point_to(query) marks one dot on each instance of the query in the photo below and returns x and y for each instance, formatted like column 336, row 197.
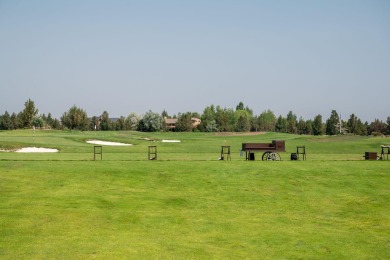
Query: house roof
column 171, row 120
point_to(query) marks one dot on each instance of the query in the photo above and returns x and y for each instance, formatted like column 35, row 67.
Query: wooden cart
column 270, row 150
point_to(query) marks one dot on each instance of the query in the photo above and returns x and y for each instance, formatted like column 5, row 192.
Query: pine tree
column 332, row 123
column 28, row 114
column 317, row 126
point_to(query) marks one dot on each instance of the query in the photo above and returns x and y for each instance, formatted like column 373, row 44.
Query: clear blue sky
column 309, row 57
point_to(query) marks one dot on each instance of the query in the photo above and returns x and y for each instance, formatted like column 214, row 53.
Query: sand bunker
column 170, row 141
column 36, row 150
column 107, row 143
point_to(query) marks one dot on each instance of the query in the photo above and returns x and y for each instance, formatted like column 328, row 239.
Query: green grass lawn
column 188, row 204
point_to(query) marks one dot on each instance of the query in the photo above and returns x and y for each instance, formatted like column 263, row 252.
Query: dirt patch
column 338, row 138
column 239, row 134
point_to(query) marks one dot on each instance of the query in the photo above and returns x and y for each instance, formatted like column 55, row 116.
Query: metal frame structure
column 383, row 153
column 152, row 152
column 301, row 150
column 97, row 149
column 225, row 153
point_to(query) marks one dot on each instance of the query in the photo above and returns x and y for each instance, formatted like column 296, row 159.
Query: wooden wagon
column 270, row 150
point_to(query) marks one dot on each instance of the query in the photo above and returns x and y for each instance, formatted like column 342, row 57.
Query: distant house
column 114, row 119
column 195, row 122
column 170, row 123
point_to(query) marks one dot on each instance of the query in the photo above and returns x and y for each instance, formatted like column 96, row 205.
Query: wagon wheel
column 275, row 157
column 271, row 156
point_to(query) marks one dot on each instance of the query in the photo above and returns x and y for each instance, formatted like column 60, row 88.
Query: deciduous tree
column 208, row 119
column 224, row 119
column 120, row 124
column 267, row 121
column 132, row 121
column 184, row 123
column 38, row 122
column 151, row 122
column 242, row 119
column 75, row 118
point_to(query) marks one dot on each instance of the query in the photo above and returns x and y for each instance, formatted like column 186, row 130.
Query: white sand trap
column 36, row 150
column 107, row 143
column 170, row 141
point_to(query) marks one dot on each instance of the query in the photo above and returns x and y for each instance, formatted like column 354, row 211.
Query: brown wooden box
column 370, row 155
column 279, row 145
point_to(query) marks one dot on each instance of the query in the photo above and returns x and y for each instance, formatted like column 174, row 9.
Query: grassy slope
column 205, row 209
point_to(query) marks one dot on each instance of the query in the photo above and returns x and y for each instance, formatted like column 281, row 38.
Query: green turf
column 188, row 204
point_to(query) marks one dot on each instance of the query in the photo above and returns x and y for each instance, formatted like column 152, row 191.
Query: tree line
column 213, row 119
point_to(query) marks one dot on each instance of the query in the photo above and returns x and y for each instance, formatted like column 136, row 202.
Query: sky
column 308, row 57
